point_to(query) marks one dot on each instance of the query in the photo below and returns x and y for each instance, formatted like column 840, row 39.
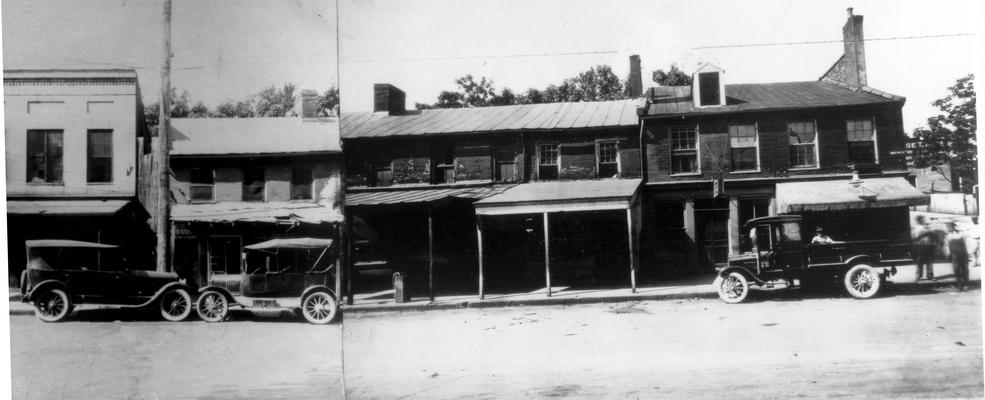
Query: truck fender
column 749, row 275
column 220, row 289
column 318, row 288
column 859, row 259
column 45, row 285
column 165, row 288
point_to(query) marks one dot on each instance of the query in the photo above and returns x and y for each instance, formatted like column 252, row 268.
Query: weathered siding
column 229, row 176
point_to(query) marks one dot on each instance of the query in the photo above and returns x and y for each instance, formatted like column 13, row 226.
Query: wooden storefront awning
column 562, row 196
column 794, row 197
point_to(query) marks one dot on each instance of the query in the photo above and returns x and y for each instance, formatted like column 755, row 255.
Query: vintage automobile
column 61, row 274
column 280, row 273
column 781, row 255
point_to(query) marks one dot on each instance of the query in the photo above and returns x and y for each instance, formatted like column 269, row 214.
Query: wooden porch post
column 478, row 235
column 430, row 254
column 632, row 248
column 339, row 229
column 347, row 259
column 547, row 254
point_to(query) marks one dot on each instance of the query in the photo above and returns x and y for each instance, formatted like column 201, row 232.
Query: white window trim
column 208, row 252
column 817, row 150
column 875, row 135
column 759, row 164
column 697, row 149
column 598, row 156
column 557, row 165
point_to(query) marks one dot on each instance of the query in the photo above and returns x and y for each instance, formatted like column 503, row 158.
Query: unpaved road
column 96, row 356
column 908, row 345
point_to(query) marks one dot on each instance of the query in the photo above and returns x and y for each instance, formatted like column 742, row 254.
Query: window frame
column 192, row 184
column 263, row 189
column 311, row 183
column 755, row 128
column 45, row 134
column 615, row 155
column 208, row 254
column 697, row 149
column 557, row 159
column 875, row 138
column 89, row 156
column 374, row 168
column 817, row 147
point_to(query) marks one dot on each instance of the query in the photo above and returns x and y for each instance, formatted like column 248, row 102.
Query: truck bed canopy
column 293, row 243
column 829, row 195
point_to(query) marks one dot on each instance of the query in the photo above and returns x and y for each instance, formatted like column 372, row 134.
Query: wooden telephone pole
column 162, row 152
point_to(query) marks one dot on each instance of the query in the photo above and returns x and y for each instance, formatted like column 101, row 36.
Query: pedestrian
column 974, row 243
column 957, row 250
column 925, row 246
column 820, row 237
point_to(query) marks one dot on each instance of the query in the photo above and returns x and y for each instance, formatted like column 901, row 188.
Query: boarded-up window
column 861, row 141
column 301, row 180
column 547, row 156
column 201, row 184
column 254, row 182
column 803, row 144
column 382, row 176
column 44, row 156
column 505, row 164
column 684, row 150
column 608, row 159
column 744, row 144
column 710, row 94
column 224, row 254
column 99, row 156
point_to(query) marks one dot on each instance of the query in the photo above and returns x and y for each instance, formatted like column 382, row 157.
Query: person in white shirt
column 820, row 237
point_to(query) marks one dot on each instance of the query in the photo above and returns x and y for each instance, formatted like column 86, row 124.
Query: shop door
column 711, row 231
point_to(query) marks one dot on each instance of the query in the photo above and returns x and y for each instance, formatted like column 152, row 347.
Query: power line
column 830, row 41
column 578, row 53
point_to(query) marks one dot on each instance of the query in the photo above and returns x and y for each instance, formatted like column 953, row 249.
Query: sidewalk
column 692, row 287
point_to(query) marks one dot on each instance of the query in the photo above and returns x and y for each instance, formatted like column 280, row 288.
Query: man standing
column 924, row 245
column 957, row 251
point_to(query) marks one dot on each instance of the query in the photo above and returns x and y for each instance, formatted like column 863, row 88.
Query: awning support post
column 430, row 254
column 340, row 234
column 347, row 258
column 547, row 254
column 478, row 236
column 632, row 255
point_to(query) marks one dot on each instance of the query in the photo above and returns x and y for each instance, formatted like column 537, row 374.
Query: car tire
column 212, row 306
column 732, row 288
column 175, row 304
column 862, row 281
column 52, row 305
column 319, row 307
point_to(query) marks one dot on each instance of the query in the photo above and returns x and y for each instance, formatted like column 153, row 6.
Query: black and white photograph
column 484, row 199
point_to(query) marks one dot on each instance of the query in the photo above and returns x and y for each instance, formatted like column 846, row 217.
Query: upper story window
column 608, row 158
column 382, row 175
column 44, row 156
column 684, row 150
column 201, row 185
column 548, row 161
column 744, row 145
column 505, row 164
column 301, row 184
column 861, row 141
column 443, row 159
column 803, row 144
column 99, row 156
column 254, row 183
column 710, row 93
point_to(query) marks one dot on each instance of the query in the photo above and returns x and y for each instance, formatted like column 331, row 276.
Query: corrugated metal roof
column 838, row 194
column 564, row 191
column 675, row 100
column 420, row 196
column 579, row 115
column 69, row 74
column 65, row 207
column 232, row 136
column 271, row 212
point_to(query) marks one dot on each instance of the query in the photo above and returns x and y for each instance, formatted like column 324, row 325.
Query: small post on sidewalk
column 632, row 256
column 478, row 235
column 547, row 254
column 430, row 255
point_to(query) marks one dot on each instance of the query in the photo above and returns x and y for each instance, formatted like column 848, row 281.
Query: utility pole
column 163, row 155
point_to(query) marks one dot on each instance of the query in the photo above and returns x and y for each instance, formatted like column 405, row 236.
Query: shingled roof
column 677, row 100
column 526, row 117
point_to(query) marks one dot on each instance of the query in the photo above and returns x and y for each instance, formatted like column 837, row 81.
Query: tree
column 179, row 109
column 330, row 101
column 199, row 110
column 233, row 109
column 598, row 83
column 949, row 137
column 672, row 77
column 273, row 102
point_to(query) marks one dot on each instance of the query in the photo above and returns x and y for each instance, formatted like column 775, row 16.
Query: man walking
column 925, row 246
column 957, row 250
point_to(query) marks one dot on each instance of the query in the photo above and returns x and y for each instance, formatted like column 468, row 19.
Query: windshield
column 289, row 261
column 75, row 258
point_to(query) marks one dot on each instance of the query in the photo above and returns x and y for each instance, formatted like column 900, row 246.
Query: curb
column 530, row 302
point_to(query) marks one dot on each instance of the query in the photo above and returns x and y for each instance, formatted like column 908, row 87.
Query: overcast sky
column 413, row 44
column 223, row 49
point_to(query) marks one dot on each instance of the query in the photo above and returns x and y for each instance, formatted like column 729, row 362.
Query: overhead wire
column 831, row 41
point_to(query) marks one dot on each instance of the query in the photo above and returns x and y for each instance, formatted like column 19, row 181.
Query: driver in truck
column 820, row 237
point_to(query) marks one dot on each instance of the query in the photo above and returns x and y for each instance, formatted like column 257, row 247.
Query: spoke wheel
column 862, row 281
column 212, row 306
column 52, row 305
column 176, row 304
column 319, row 308
column 732, row 288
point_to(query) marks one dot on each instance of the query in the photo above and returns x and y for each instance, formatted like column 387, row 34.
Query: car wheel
column 212, row 306
column 732, row 288
column 176, row 304
column 319, row 307
column 52, row 305
column 862, row 281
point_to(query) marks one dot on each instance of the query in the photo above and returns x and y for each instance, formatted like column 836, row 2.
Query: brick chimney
column 635, row 77
column 387, row 98
column 307, row 104
column 850, row 68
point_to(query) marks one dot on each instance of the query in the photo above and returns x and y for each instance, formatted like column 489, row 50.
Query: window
column 224, row 255
column 709, row 84
column 201, row 185
column 382, row 176
column 684, row 150
column 44, row 156
column 749, row 209
column 99, row 157
column 443, row 160
column 608, row 157
column 505, row 164
column 803, row 144
column 861, row 141
column 547, row 156
column 301, row 181
column 744, row 142
column 254, row 181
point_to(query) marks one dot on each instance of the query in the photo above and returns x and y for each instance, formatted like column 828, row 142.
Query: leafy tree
column 949, row 137
column 329, row 101
column 199, row 110
column 673, row 77
column 274, row 102
column 234, row 109
column 179, row 109
column 596, row 84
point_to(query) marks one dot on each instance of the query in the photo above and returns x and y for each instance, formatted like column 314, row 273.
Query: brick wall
column 229, row 176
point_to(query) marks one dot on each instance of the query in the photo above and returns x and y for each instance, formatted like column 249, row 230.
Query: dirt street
column 96, row 356
column 925, row 344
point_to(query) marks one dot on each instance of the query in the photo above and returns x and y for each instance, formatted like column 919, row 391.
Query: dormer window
column 708, row 87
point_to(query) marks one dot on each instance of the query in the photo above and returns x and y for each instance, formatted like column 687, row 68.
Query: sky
column 223, row 49
column 422, row 46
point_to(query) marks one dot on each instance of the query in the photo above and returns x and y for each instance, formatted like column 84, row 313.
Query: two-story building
column 719, row 154
column 238, row 181
column 462, row 199
column 71, row 141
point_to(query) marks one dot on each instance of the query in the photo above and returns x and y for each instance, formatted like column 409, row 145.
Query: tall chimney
column 387, row 98
column 854, row 50
column 635, row 77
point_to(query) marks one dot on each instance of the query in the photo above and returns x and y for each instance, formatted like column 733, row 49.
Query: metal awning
column 271, row 212
column 419, row 196
column 840, row 194
column 292, row 243
column 562, row 196
column 68, row 208
column 33, row 244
